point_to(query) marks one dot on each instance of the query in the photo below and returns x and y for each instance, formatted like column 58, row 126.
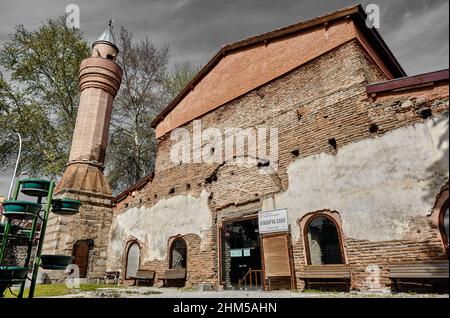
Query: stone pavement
column 154, row 292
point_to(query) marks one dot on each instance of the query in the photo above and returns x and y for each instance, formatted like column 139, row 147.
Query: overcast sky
column 417, row 31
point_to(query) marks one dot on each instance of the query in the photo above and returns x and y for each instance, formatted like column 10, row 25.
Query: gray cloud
column 417, row 31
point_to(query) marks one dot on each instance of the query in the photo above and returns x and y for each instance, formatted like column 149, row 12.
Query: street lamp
column 15, row 168
column 14, row 173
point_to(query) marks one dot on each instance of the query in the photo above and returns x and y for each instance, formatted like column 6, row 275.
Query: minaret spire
column 100, row 78
column 107, row 37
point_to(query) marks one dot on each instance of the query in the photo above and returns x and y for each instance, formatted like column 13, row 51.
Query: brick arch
column 229, row 182
column 171, row 242
column 437, row 214
column 198, row 264
column 130, row 241
column 335, row 218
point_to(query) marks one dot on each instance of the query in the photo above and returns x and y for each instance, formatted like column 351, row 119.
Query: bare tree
column 147, row 86
column 179, row 77
column 131, row 153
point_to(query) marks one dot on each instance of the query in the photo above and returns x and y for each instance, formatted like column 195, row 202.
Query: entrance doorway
column 81, row 256
column 241, row 254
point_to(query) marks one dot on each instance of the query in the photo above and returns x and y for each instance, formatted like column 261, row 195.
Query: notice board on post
column 277, row 262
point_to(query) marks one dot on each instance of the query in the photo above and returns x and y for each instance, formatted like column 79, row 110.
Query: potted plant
column 35, row 187
column 21, row 209
column 55, row 261
column 65, row 206
column 10, row 275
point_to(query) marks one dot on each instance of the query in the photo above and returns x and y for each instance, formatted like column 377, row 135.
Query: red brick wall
column 330, row 95
column 244, row 70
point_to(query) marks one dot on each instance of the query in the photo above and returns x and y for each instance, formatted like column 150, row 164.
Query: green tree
column 39, row 95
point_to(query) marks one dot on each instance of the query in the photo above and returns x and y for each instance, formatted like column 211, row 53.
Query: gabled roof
column 356, row 13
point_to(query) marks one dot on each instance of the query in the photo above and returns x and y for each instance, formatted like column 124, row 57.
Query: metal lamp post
column 14, row 173
column 15, row 168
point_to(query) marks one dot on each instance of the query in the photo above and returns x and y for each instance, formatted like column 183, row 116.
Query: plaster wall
column 377, row 185
column 182, row 214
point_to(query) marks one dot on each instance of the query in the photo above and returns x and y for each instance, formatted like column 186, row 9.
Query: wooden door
column 277, row 258
column 81, row 257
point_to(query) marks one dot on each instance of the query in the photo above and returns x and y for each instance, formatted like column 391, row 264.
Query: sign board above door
column 273, row 221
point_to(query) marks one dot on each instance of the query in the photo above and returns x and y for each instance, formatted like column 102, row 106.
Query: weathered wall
column 378, row 184
column 360, row 179
column 154, row 226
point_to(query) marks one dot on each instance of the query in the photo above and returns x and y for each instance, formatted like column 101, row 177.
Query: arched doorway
column 81, row 256
column 133, row 255
column 444, row 224
column 323, row 241
column 178, row 254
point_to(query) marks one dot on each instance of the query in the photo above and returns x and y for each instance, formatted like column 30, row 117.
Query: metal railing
column 251, row 278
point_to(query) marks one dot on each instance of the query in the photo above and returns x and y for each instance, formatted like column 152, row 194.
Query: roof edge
column 383, row 49
column 137, row 185
column 355, row 11
column 274, row 34
column 408, row 82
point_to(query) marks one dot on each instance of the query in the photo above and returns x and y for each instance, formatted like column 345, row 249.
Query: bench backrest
column 145, row 274
column 112, row 274
column 326, row 271
column 176, row 273
column 432, row 269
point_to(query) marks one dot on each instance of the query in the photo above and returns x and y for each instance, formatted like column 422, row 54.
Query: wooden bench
column 419, row 271
column 146, row 276
column 326, row 274
column 178, row 274
column 114, row 275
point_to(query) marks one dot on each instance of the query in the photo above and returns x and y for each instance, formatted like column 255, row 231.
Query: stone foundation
column 91, row 223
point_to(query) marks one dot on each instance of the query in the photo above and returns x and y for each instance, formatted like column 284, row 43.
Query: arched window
column 443, row 225
column 178, row 253
column 133, row 260
column 323, row 242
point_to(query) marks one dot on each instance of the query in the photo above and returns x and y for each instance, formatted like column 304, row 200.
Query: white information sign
column 236, row 253
column 273, row 221
column 247, row 252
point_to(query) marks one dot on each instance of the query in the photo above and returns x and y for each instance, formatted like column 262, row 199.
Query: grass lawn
column 59, row 290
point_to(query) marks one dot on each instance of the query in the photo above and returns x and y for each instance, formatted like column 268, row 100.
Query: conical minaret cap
column 107, row 37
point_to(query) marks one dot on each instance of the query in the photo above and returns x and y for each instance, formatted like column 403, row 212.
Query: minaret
column 100, row 79
column 85, row 235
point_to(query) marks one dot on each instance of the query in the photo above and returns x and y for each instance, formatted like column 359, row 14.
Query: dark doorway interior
column 240, row 249
column 178, row 254
column 81, row 256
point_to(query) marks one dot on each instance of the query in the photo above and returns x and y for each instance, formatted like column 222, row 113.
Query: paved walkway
column 154, row 292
